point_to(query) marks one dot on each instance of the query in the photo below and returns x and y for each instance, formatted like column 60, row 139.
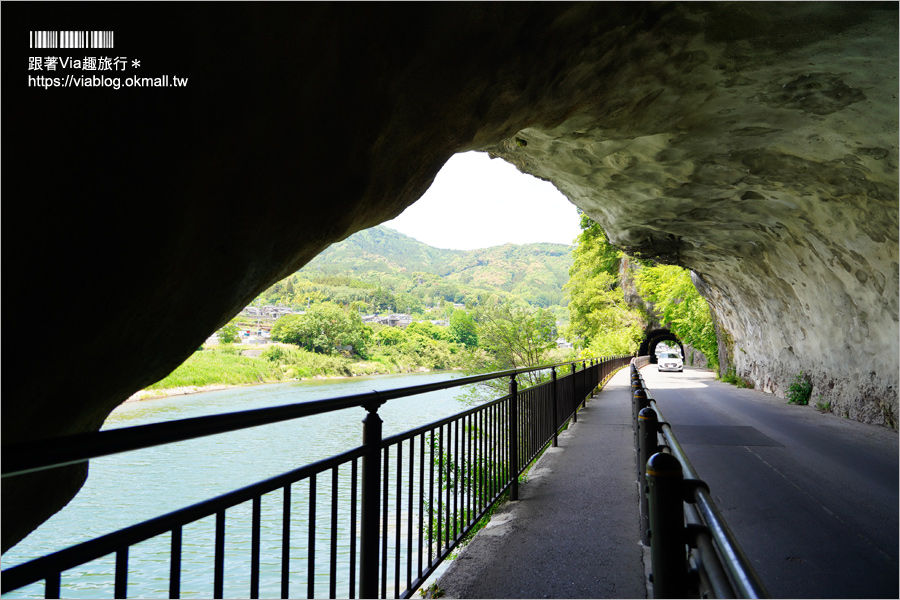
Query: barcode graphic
column 71, row 39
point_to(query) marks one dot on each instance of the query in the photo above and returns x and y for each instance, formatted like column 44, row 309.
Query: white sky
column 477, row 202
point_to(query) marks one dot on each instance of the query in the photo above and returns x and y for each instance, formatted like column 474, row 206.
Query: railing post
column 574, row 395
column 665, row 483
column 369, row 517
column 514, row 437
column 584, row 375
column 648, row 439
column 638, row 402
column 553, row 404
column 637, row 383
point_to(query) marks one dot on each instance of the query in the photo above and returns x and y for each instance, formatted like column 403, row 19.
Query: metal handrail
column 725, row 567
column 19, row 575
column 737, row 565
column 36, row 455
column 368, row 491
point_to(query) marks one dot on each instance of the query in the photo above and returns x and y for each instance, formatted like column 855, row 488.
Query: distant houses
column 268, row 312
column 392, row 320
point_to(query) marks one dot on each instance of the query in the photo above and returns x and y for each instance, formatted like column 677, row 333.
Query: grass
column 732, row 378
column 298, row 363
column 225, row 365
column 212, row 367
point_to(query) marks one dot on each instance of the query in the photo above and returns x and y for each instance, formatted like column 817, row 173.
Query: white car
column 669, row 361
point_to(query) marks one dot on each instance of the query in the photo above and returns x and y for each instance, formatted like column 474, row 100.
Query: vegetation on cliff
column 680, row 307
column 604, row 323
column 600, row 319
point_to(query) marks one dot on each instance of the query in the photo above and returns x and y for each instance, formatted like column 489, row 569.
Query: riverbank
column 218, row 368
column 195, row 389
column 185, row 390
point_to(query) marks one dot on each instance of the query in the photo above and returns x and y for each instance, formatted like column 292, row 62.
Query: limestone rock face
column 788, row 213
column 755, row 143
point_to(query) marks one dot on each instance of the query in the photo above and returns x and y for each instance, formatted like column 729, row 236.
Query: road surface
column 812, row 498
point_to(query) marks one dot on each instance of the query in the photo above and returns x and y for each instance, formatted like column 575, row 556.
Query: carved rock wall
column 787, row 214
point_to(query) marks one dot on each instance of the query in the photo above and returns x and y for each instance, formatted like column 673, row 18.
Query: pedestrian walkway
column 575, row 530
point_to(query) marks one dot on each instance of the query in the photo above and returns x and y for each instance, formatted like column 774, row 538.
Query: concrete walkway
column 575, row 530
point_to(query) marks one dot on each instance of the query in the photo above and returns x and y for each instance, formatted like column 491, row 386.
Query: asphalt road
column 812, row 498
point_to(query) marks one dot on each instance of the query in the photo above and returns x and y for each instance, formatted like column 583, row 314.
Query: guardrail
column 394, row 508
column 692, row 550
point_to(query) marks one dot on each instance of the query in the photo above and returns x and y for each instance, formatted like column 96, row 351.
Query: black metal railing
column 376, row 520
column 693, row 552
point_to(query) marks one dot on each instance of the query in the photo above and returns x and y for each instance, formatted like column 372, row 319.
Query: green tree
column 325, row 328
column 433, row 332
column 464, row 328
column 430, row 345
column 681, row 307
column 515, row 335
column 383, row 301
column 408, row 303
column 599, row 316
column 229, row 333
column 359, row 306
column 390, row 336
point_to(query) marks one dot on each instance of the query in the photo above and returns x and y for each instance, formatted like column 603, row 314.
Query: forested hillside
column 513, row 316
column 384, row 271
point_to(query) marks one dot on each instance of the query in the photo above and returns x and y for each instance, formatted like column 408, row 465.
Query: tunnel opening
column 535, row 104
column 655, row 338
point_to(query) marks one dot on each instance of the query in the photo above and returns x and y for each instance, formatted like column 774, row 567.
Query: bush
column 229, row 333
column 732, row 378
column 279, row 353
column 800, row 390
column 229, row 349
column 326, row 329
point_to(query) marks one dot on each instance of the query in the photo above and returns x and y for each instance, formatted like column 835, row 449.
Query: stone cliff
column 787, row 214
column 754, row 143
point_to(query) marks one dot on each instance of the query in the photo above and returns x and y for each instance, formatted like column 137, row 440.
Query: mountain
column 535, row 272
column 381, row 249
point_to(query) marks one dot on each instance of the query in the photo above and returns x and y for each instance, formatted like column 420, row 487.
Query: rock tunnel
column 753, row 143
column 654, row 338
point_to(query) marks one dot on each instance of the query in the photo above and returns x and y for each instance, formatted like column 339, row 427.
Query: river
column 128, row 488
